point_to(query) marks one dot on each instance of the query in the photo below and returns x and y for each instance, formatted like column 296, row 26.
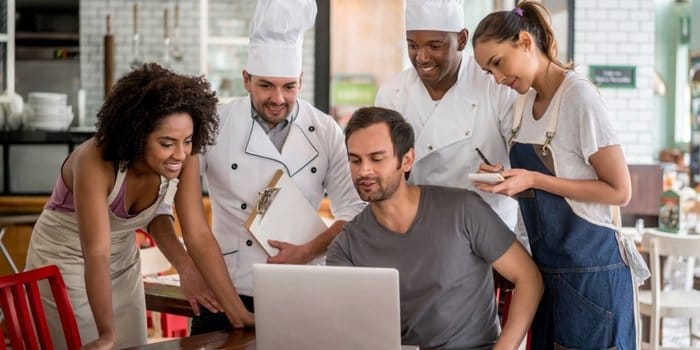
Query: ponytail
column 529, row 16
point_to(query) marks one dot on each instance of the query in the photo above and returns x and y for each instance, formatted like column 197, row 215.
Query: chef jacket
column 474, row 112
column 242, row 163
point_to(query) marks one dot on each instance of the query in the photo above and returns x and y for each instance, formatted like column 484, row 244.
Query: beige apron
column 55, row 241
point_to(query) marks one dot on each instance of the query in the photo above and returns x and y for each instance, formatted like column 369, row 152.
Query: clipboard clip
column 265, row 198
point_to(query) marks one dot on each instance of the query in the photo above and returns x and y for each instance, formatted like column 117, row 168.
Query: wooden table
column 166, row 298
column 237, row 339
column 13, row 219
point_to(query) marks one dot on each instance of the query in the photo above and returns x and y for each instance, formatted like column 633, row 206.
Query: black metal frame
column 322, row 56
column 570, row 7
column 11, row 138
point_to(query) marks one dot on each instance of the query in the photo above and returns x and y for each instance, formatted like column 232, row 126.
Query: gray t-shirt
column 444, row 262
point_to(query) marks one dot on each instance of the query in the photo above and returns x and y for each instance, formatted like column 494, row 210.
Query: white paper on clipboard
column 285, row 215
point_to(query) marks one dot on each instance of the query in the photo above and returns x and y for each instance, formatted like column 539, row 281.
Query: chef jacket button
column 313, row 169
column 234, row 166
column 243, row 206
column 312, row 128
column 249, row 243
column 467, row 132
column 430, row 148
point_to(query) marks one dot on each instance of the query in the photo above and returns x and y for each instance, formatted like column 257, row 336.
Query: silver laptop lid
column 326, row 307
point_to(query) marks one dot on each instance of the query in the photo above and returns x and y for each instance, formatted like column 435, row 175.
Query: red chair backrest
column 144, row 239
column 27, row 328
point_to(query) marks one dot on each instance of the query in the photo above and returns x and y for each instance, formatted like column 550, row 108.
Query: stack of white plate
column 48, row 111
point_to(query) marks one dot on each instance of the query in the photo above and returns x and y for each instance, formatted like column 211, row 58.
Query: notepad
column 283, row 214
column 489, row 178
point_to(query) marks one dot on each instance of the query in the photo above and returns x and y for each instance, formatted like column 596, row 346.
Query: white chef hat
column 439, row 15
column 276, row 37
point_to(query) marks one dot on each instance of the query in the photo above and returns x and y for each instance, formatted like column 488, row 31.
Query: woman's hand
column 516, row 181
column 485, row 168
column 242, row 317
column 197, row 291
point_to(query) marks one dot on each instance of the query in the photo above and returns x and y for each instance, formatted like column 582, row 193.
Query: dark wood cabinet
column 647, row 185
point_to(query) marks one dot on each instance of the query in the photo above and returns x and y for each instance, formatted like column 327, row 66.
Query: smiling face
column 169, row 144
column 376, row 171
column 511, row 63
column 273, row 98
column 436, row 56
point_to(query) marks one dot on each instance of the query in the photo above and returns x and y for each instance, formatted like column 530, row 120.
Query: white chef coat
column 475, row 112
column 242, row 163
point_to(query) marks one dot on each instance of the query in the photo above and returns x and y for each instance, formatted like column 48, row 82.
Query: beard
column 380, row 189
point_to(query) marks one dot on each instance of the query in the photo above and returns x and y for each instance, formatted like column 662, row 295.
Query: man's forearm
column 319, row 245
column 526, row 298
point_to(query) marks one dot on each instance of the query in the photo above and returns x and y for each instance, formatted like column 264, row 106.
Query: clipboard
column 283, row 214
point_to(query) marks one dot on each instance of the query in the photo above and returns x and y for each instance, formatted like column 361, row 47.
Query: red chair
column 25, row 325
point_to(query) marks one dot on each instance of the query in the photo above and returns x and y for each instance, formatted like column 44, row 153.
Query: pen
column 483, row 157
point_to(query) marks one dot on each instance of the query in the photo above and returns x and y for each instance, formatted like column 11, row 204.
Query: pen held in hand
column 483, row 157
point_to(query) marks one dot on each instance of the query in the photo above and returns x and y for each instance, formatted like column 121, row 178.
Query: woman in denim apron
column 567, row 177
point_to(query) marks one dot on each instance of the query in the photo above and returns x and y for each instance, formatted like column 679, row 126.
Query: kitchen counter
column 17, row 236
column 45, row 137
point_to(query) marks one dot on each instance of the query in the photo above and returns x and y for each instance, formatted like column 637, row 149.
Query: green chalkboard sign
column 614, row 76
column 353, row 93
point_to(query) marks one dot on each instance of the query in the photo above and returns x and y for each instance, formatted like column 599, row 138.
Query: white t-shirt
column 583, row 127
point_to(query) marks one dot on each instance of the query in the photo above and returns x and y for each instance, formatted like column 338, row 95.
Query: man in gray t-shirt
column 444, row 242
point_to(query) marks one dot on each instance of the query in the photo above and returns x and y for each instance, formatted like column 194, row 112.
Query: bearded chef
column 272, row 129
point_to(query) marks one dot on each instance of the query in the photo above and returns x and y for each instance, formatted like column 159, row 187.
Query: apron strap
column 616, row 215
column 517, row 118
column 118, row 182
column 551, row 127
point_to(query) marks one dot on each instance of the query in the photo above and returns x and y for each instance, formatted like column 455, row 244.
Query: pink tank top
column 62, row 199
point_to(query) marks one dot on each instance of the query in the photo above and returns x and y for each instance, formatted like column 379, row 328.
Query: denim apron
column 588, row 300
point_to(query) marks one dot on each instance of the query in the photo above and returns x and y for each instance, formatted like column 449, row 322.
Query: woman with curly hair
column 126, row 177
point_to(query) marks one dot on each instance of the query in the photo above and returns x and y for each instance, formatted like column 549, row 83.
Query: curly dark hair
column 140, row 100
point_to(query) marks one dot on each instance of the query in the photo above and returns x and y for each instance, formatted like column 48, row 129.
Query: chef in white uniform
column 267, row 130
column 451, row 103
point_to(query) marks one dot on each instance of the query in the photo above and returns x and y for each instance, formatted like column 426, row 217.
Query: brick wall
column 621, row 32
column 229, row 18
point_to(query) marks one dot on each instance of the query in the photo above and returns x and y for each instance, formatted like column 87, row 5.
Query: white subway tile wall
column 227, row 18
column 621, row 32
column 606, row 33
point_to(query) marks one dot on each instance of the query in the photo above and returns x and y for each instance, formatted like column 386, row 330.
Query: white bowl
column 46, row 99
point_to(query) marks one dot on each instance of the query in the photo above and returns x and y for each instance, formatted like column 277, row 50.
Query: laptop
column 326, row 307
